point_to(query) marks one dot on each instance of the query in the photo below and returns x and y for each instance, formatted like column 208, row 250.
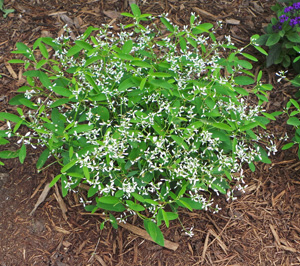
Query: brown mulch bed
column 262, row 227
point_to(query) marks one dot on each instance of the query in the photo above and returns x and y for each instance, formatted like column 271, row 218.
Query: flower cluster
column 294, row 7
column 291, row 15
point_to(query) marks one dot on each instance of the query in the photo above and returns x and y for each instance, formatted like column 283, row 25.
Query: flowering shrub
column 282, row 36
column 146, row 119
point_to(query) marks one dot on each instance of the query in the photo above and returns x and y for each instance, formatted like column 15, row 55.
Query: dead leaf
column 78, row 22
column 10, row 70
column 45, row 33
column 258, row 8
column 66, row 19
column 232, row 21
column 41, row 198
column 67, row 244
column 112, row 14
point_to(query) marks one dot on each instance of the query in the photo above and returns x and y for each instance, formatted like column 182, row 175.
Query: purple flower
column 277, row 27
column 283, row 18
column 295, row 21
column 293, row 7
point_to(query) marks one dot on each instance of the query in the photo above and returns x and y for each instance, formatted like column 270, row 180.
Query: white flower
column 281, row 74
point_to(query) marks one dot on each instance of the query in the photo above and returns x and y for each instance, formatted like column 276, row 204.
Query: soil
column 261, row 227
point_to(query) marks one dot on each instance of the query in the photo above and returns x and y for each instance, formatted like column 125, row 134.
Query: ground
column 261, row 227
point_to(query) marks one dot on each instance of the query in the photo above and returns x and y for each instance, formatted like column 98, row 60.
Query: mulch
column 261, row 227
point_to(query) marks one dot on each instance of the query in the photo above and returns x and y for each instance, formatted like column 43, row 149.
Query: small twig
column 138, row 231
column 94, row 253
column 61, row 203
column 205, row 246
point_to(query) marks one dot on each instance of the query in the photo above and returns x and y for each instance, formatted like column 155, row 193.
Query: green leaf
column 192, row 42
column 185, row 204
column 171, row 215
column 68, row 166
column 40, row 63
column 190, row 204
column 221, row 186
column 244, row 80
column 141, row 64
column 287, row 146
column 135, row 10
column 10, row 117
column 293, row 37
column 74, row 50
column 180, row 141
column 91, row 81
column 270, row 116
column 126, row 84
column 59, row 102
column 244, row 64
column 134, row 206
column 160, row 74
column 109, row 200
column 92, row 191
column 9, row 154
column 80, row 128
column 259, row 76
column 54, row 180
column 3, row 141
column 154, row 232
column 158, row 129
column 182, row 43
column 43, row 158
column 7, row 11
column 127, row 47
column 205, row 27
column 152, row 202
column 21, row 100
column 92, row 60
column 113, row 221
column 261, row 50
column 127, row 15
column 168, row 25
column 61, row 91
column 295, row 103
column 138, row 197
column 274, row 54
column 44, row 79
column 241, row 91
column 294, row 121
column 84, row 45
column 102, row 112
column 64, row 187
column 222, row 126
column 125, row 57
column 16, row 61
column 252, row 167
column 251, row 57
column 22, row 153
column 166, row 219
column 86, row 172
column 111, row 207
column 273, row 39
column 43, row 50
column 22, row 47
